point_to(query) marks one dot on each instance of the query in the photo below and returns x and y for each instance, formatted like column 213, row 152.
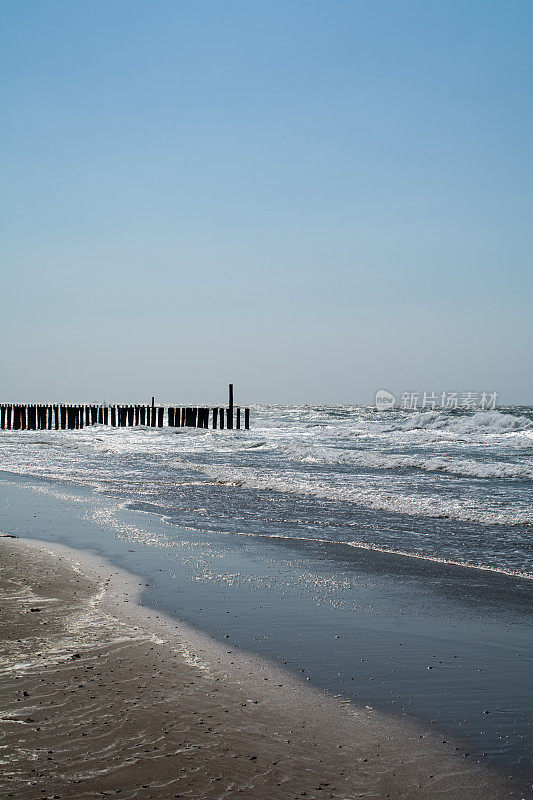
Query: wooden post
column 160, row 416
column 137, row 415
column 152, row 415
column 221, row 418
column 247, row 418
column 9, row 416
column 130, row 413
column 215, row 417
column 113, row 417
column 3, row 417
column 183, row 417
column 238, row 418
column 106, row 415
column 142, row 415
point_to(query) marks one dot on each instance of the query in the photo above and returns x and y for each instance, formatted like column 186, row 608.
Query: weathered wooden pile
column 17, row 416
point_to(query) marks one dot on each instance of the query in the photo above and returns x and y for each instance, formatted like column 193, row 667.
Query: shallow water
column 442, row 643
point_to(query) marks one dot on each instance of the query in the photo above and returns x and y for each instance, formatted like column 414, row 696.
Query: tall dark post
column 247, row 418
column 142, row 415
column 183, row 416
column 221, row 417
column 137, row 410
column 160, row 416
column 152, row 415
column 238, row 418
column 3, row 418
column 170, row 417
column 230, row 408
column 113, row 417
column 215, row 417
column 106, row 415
column 9, row 417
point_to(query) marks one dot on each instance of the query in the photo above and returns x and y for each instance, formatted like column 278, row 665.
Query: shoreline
column 254, row 706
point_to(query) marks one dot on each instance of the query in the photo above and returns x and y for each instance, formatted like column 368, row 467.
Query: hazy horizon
column 312, row 200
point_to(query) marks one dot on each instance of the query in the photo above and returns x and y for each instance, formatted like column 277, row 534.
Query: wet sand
column 104, row 697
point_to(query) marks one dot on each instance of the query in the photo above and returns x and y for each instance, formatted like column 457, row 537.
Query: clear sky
column 312, row 199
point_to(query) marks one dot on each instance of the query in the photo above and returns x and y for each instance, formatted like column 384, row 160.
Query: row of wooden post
column 69, row 417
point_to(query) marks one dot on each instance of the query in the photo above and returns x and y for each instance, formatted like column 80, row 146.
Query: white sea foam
column 384, row 459
column 481, row 422
column 369, row 496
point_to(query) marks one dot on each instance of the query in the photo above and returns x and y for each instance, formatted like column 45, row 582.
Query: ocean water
column 384, row 556
column 446, row 486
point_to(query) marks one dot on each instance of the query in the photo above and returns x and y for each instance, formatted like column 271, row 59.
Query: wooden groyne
column 17, row 416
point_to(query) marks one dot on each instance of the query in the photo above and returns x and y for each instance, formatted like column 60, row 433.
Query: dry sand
column 103, row 697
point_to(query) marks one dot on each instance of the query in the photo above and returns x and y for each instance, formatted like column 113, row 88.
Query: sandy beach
column 102, row 696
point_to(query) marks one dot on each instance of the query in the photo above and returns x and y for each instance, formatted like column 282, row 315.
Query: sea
column 371, row 546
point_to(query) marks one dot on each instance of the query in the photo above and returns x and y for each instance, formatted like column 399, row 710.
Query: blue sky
column 312, row 199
